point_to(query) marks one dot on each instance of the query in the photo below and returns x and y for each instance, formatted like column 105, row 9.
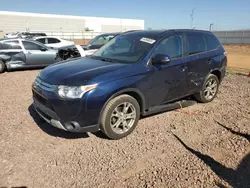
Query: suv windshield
column 125, row 49
column 100, row 40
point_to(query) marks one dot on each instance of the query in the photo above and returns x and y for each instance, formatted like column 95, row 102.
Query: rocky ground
column 205, row 145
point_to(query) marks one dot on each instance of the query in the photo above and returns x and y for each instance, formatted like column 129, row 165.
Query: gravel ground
column 184, row 148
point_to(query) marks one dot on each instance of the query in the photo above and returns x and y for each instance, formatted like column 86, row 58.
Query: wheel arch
column 217, row 73
column 133, row 92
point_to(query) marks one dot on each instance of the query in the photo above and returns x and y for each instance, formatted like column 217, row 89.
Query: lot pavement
column 183, row 148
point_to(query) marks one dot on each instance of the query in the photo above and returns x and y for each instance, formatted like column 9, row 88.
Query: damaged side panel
column 71, row 52
column 13, row 50
column 15, row 59
column 19, row 54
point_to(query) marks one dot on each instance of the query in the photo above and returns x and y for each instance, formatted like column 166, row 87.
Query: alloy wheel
column 210, row 89
column 123, row 118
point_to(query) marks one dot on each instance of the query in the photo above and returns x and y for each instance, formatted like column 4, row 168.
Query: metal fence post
column 226, row 37
column 242, row 38
column 84, row 38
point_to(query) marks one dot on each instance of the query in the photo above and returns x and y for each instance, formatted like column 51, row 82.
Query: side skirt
column 168, row 107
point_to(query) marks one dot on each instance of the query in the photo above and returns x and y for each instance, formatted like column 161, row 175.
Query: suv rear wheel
column 2, row 66
column 120, row 117
column 209, row 89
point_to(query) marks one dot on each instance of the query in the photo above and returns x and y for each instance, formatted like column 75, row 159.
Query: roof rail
column 131, row 30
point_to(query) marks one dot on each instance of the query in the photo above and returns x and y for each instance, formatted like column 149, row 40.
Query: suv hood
column 77, row 72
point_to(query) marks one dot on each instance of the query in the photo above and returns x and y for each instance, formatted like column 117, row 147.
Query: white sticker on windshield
column 147, row 40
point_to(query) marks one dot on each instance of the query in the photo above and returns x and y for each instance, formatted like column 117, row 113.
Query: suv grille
column 39, row 98
column 43, row 85
column 39, row 84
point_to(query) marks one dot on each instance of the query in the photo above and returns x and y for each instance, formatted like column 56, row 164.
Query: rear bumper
column 50, row 117
column 223, row 71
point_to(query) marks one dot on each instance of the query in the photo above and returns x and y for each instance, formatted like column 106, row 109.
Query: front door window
column 171, row 46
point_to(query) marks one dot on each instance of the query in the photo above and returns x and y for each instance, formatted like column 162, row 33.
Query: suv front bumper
column 53, row 122
column 50, row 117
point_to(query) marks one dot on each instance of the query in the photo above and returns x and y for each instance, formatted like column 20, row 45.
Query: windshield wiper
column 107, row 60
column 101, row 58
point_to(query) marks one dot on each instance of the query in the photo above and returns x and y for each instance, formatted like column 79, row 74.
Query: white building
column 50, row 23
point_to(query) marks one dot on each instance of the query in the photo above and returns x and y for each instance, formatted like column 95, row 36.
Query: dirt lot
column 238, row 56
column 186, row 148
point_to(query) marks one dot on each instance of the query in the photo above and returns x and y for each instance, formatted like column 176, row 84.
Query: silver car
column 22, row 53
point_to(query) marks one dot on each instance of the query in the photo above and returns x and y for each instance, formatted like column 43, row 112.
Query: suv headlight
column 74, row 92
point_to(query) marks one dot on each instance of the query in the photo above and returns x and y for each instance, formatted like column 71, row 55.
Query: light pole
column 192, row 19
column 210, row 26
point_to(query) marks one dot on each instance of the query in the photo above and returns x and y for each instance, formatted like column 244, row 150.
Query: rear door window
column 42, row 40
column 196, row 44
column 212, row 42
column 53, row 41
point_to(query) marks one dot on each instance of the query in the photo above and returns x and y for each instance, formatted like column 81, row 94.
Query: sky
column 158, row 14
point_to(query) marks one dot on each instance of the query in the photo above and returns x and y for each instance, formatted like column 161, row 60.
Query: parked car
column 23, row 34
column 54, row 42
column 22, row 53
column 98, row 42
column 11, row 35
column 71, row 52
column 136, row 74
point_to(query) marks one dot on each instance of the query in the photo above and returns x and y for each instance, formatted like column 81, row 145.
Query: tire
column 202, row 96
column 2, row 67
column 118, row 127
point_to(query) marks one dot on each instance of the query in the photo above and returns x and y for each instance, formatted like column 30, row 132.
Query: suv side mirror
column 161, row 59
column 43, row 49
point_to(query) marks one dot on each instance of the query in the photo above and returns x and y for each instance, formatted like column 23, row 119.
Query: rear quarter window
column 10, row 45
column 196, row 44
column 212, row 42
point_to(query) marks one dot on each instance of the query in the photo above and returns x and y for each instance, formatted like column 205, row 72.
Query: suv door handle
column 210, row 61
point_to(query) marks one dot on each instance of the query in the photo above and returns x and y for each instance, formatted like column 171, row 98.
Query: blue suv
column 137, row 73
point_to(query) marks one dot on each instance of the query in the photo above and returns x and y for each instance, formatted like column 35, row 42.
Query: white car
column 23, row 34
column 54, row 42
column 11, row 35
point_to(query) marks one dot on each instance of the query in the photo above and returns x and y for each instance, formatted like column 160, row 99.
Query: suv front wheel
column 120, row 117
column 209, row 89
